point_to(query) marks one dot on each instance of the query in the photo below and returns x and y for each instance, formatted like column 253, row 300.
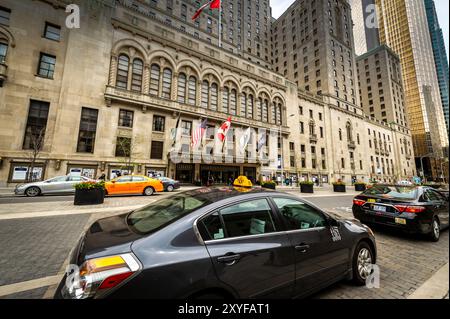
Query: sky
column 442, row 8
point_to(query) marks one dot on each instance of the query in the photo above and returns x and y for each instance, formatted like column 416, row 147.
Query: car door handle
column 229, row 259
column 303, row 248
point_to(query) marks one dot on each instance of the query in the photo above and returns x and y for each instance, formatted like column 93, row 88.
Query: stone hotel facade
column 109, row 94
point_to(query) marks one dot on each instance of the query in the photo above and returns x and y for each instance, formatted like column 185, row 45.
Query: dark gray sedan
column 219, row 243
column 169, row 184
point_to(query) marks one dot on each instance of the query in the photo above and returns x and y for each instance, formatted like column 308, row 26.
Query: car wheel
column 170, row 188
column 149, row 191
column 435, row 230
column 33, row 191
column 362, row 263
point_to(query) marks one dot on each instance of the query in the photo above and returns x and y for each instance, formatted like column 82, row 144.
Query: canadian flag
column 223, row 130
column 213, row 4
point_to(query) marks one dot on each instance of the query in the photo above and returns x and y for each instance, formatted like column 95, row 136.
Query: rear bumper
column 414, row 223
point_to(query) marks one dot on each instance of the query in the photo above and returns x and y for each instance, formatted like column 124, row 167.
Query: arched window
column 154, row 79
column 122, row 72
column 181, row 88
column 243, row 104
column 214, row 90
column 259, row 103
column 3, row 50
column 279, row 114
column 250, row 107
column 192, row 90
column 205, row 94
column 167, row 84
column 225, row 100
column 233, row 100
column 136, row 78
column 265, row 111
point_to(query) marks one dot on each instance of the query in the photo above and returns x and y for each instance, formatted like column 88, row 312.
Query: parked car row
column 124, row 185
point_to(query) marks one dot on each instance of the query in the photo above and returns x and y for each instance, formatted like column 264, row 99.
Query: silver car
column 56, row 185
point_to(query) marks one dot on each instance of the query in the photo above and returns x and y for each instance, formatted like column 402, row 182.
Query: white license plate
column 378, row 208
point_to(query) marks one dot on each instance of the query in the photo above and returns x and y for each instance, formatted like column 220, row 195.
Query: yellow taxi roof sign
column 242, row 181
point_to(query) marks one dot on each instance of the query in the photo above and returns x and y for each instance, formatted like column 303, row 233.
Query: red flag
column 223, row 130
column 213, row 4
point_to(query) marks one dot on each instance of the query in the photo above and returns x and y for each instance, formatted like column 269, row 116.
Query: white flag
column 245, row 139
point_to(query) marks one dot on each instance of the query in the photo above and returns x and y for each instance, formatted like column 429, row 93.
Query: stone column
column 198, row 97
column 238, row 103
column 113, row 71
column 174, row 92
column 219, row 99
column 146, row 79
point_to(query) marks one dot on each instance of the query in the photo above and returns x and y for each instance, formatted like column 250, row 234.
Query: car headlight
column 97, row 277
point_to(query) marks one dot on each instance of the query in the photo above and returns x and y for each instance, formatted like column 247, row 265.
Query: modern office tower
column 404, row 28
column 380, row 85
column 440, row 56
column 365, row 25
column 314, row 47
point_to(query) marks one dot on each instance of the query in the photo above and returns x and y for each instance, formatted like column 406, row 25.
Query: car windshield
column 161, row 213
column 395, row 192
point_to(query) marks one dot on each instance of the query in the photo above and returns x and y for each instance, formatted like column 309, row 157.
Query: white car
column 56, row 185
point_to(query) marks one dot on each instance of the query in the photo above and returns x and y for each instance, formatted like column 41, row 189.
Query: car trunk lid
column 107, row 236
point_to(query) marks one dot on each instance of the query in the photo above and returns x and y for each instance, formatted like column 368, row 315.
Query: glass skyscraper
column 440, row 55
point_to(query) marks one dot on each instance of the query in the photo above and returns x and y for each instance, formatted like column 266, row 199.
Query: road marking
column 434, row 288
column 29, row 285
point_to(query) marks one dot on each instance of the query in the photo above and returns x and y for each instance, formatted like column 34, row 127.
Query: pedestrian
column 102, row 177
column 118, row 174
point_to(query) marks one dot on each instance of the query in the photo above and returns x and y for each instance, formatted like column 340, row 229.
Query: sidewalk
column 6, row 191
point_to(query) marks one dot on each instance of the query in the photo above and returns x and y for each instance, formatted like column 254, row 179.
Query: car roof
column 218, row 193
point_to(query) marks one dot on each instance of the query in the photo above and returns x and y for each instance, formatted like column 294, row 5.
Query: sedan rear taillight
column 96, row 277
column 410, row 209
column 359, row 202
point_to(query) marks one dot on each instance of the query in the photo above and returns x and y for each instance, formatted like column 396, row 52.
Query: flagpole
column 220, row 25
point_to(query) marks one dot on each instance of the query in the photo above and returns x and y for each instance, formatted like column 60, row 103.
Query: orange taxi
column 133, row 184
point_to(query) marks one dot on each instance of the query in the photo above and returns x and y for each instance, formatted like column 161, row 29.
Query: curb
column 434, row 288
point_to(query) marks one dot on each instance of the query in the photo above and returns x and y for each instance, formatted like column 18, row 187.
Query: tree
column 36, row 144
column 127, row 151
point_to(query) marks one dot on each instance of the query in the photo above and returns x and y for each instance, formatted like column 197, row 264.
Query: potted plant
column 269, row 184
column 307, row 187
column 89, row 193
column 360, row 186
column 339, row 187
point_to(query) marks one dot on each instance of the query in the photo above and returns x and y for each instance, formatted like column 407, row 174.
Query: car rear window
column 164, row 212
column 393, row 192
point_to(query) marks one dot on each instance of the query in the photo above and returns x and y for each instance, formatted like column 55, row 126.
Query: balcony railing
column 377, row 151
column 313, row 138
column 352, row 145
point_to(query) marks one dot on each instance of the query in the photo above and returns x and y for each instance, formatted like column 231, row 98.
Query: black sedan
column 219, row 243
column 416, row 209
column 169, row 184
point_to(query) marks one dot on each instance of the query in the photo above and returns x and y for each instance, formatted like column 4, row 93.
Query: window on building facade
column 5, row 15
column 192, row 90
column 3, row 51
column 88, row 130
column 181, row 91
column 136, row 77
column 186, row 128
column 46, row 66
column 36, row 125
column 159, row 123
column 205, row 94
column 126, row 118
column 154, row 79
column 52, row 32
column 157, row 150
column 123, row 146
column 167, row 84
column 122, row 72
